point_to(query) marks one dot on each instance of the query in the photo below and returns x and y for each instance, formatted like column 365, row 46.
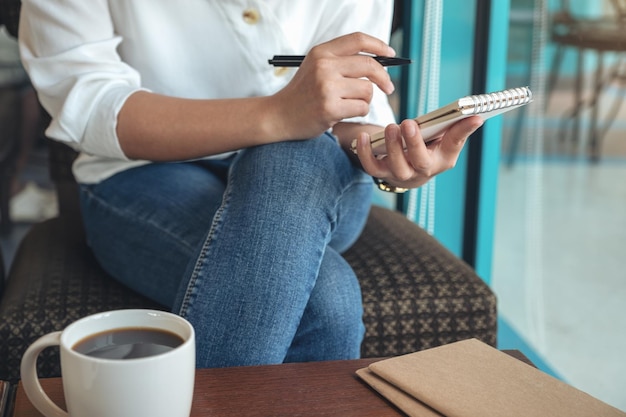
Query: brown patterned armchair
column 416, row 294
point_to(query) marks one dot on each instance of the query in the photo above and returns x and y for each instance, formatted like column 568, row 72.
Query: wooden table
column 302, row 389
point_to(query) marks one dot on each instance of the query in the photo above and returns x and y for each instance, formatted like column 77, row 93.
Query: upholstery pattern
column 54, row 280
column 416, row 294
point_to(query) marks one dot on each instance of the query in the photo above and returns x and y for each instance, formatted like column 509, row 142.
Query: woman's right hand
column 334, row 82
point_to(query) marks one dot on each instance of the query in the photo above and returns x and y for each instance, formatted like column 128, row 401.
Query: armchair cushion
column 416, row 293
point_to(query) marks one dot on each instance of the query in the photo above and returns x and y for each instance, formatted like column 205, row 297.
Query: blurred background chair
column 603, row 36
column 9, row 149
column 20, row 123
column 416, row 293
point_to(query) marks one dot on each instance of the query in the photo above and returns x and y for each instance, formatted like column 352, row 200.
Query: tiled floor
column 560, row 259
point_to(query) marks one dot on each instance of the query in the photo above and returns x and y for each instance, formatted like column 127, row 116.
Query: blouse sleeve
column 69, row 49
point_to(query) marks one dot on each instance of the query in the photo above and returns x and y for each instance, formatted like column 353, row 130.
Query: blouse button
column 251, row 16
column 280, row 71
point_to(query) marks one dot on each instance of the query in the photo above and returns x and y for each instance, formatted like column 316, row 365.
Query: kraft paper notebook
column 434, row 124
column 402, row 400
column 470, row 378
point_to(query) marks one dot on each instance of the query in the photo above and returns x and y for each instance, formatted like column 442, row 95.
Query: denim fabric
column 247, row 249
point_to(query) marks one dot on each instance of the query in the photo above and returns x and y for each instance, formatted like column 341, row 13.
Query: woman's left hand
column 419, row 162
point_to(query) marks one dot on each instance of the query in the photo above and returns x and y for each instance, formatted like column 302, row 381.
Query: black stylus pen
column 296, row 60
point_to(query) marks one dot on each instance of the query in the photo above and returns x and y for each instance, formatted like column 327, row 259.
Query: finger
column 454, row 139
column 363, row 66
column 354, row 43
column 413, row 139
column 355, row 97
column 397, row 161
column 357, row 88
column 347, row 108
column 417, row 152
column 371, row 164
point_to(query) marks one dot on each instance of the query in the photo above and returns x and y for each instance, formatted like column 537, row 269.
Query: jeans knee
column 306, row 165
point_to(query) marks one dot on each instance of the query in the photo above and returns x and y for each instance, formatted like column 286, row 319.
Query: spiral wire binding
column 493, row 101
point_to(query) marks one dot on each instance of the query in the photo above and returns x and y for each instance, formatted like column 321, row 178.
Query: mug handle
column 30, row 380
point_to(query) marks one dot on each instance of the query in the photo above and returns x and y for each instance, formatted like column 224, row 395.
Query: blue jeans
column 247, row 249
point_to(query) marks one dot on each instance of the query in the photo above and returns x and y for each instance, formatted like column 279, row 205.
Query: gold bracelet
column 384, row 186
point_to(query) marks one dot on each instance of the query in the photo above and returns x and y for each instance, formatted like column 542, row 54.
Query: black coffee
column 128, row 343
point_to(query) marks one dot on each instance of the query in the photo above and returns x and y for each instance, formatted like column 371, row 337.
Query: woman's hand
column 334, row 82
column 420, row 162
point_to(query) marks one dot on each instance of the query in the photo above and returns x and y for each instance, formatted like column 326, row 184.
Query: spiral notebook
column 434, row 124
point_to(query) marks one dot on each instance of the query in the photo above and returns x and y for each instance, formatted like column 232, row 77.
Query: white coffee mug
column 160, row 385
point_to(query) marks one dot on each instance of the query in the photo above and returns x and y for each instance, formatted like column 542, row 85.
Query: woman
column 220, row 186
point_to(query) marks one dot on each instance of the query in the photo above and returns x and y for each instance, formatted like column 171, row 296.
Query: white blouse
column 85, row 57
